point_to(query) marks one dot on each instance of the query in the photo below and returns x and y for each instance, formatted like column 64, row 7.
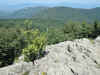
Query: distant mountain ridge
column 66, row 13
column 3, row 14
column 28, row 12
column 60, row 13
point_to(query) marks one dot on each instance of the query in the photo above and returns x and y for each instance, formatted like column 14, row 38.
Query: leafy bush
column 36, row 43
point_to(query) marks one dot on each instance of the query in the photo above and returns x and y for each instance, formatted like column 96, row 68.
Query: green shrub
column 36, row 43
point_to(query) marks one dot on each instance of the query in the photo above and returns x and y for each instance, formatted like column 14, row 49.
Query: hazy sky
column 45, row 1
column 73, row 3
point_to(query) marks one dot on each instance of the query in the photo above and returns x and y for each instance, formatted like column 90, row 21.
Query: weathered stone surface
column 16, row 69
column 78, row 57
column 97, row 41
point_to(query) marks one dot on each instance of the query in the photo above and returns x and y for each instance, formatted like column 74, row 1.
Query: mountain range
column 58, row 13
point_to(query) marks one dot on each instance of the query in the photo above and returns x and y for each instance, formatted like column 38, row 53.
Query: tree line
column 73, row 30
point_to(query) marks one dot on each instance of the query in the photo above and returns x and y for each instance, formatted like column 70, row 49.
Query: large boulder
column 78, row 57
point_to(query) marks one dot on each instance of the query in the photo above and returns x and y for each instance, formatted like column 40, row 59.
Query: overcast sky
column 73, row 3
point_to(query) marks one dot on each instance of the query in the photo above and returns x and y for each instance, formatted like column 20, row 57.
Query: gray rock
column 21, row 58
column 16, row 69
column 78, row 57
column 97, row 41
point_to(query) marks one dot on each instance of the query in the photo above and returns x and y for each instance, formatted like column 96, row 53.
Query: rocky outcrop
column 78, row 57
column 17, row 69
